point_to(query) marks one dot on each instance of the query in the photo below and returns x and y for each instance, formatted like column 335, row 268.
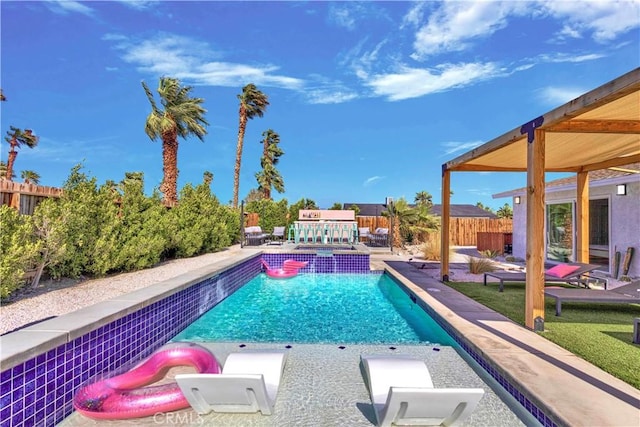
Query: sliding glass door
column 560, row 220
column 561, row 232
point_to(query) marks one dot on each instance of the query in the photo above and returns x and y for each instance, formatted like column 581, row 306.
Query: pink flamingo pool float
column 125, row 396
column 289, row 269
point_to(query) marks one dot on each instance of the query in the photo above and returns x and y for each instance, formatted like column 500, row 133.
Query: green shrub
column 144, row 233
column 81, row 221
column 272, row 214
column 18, row 249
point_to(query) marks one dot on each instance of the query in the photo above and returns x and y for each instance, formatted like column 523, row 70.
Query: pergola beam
column 596, row 126
column 611, row 163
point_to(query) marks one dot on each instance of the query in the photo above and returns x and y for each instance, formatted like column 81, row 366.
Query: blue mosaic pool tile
column 336, row 263
column 40, row 390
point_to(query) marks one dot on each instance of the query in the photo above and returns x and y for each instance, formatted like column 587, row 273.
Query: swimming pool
column 327, row 308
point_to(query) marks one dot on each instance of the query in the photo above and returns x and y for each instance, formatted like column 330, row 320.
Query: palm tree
column 252, row 103
column 505, row 211
column 424, row 198
column 270, row 177
column 182, row 116
column 30, row 177
column 207, row 178
column 17, row 137
column 3, row 170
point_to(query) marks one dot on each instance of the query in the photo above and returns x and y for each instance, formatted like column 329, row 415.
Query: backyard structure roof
column 598, row 130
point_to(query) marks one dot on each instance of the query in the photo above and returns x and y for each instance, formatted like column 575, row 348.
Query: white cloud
column 68, row 6
column 139, row 4
column 563, row 57
column 456, row 25
column 454, row 147
column 415, row 15
column 325, row 96
column 414, row 82
column 559, row 95
column 605, row 20
column 451, row 27
column 371, row 180
column 342, row 15
column 192, row 60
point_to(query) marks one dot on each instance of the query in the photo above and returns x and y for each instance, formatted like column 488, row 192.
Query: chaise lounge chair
column 278, row 234
column 573, row 273
column 248, row 383
column 402, row 393
column 627, row 294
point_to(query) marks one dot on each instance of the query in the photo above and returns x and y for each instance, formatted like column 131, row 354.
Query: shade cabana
column 598, row 130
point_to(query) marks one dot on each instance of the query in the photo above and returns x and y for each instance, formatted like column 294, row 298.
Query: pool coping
column 568, row 389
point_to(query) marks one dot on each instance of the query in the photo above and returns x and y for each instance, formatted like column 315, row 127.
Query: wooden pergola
column 598, row 130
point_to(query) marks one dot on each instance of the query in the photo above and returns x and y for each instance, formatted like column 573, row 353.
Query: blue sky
column 369, row 98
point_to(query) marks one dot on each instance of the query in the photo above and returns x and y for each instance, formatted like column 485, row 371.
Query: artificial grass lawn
column 599, row 333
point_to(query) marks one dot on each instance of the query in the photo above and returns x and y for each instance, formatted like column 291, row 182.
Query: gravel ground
column 54, row 298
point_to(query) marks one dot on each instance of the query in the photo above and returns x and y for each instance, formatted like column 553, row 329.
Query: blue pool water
column 326, row 308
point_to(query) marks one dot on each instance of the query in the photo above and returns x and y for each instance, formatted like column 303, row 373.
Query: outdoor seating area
column 576, row 274
column 254, row 236
column 380, row 237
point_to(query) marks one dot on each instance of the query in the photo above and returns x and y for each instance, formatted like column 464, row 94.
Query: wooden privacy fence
column 495, row 241
column 25, row 197
column 462, row 231
column 372, row 222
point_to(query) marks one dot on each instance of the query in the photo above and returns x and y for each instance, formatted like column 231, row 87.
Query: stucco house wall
column 624, row 217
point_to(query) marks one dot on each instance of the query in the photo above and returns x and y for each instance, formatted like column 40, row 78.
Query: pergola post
column 534, row 293
column 582, row 218
column 444, row 230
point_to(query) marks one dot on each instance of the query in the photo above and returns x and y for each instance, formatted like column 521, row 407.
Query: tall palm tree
column 252, row 103
column 30, row 177
column 3, row 170
column 270, row 177
column 17, row 137
column 181, row 116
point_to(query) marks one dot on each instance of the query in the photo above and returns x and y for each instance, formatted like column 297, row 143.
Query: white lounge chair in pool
column 402, row 393
column 249, row 382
